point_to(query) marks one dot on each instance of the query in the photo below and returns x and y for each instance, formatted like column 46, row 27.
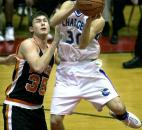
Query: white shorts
column 80, row 80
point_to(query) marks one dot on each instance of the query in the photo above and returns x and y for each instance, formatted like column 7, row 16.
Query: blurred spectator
column 107, row 16
column 47, row 6
column 136, row 61
column 9, row 29
column 29, row 3
column 8, row 11
column 118, row 20
column 22, row 9
column 1, row 23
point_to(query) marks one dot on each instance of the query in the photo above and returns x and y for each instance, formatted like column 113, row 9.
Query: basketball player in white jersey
column 79, row 75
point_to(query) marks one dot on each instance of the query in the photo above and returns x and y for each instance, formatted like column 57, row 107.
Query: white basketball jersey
column 70, row 31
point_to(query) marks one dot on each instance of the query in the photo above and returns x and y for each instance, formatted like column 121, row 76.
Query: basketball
column 90, row 7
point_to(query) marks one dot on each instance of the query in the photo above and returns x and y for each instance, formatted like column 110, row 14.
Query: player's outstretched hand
column 11, row 59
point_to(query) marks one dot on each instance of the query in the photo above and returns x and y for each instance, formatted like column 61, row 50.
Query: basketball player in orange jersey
column 79, row 74
column 23, row 106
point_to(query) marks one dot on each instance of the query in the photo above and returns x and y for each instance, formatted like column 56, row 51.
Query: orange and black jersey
column 28, row 87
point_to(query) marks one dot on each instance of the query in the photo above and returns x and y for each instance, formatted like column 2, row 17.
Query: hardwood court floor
column 127, row 82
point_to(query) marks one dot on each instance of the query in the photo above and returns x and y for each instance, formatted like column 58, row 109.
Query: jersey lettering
column 73, row 22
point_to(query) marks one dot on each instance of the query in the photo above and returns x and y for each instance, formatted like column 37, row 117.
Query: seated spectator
column 107, row 17
column 118, row 20
column 9, row 30
column 136, row 61
column 9, row 6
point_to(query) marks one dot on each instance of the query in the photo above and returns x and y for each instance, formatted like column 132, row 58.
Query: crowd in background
column 7, row 33
column 115, row 8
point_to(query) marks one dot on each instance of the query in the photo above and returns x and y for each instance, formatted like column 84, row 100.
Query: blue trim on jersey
column 77, row 13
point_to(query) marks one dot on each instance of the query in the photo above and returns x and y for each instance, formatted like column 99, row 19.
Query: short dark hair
column 36, row 14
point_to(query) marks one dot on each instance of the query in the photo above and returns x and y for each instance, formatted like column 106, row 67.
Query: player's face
column 41, row 25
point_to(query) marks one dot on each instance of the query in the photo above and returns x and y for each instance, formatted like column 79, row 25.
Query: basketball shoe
column 131, row 120
column 9, row 34
column 1, row 38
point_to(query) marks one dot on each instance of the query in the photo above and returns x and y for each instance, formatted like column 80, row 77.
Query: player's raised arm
column 37, row 63
column 66, row 9
column 57, row 39
column 97, row 27
column 91, row 29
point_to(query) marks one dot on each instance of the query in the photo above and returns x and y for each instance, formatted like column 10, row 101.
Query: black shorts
column 23, row 119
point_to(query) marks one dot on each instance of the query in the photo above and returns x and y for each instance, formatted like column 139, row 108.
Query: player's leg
column 65, row 97
column 12, row 118
column 116, row 105
column 63, row 103
column 119, row 112
column 105, row 94
column 59, row 107
column 15, row 118
column 37, row 117
column 57, row 122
